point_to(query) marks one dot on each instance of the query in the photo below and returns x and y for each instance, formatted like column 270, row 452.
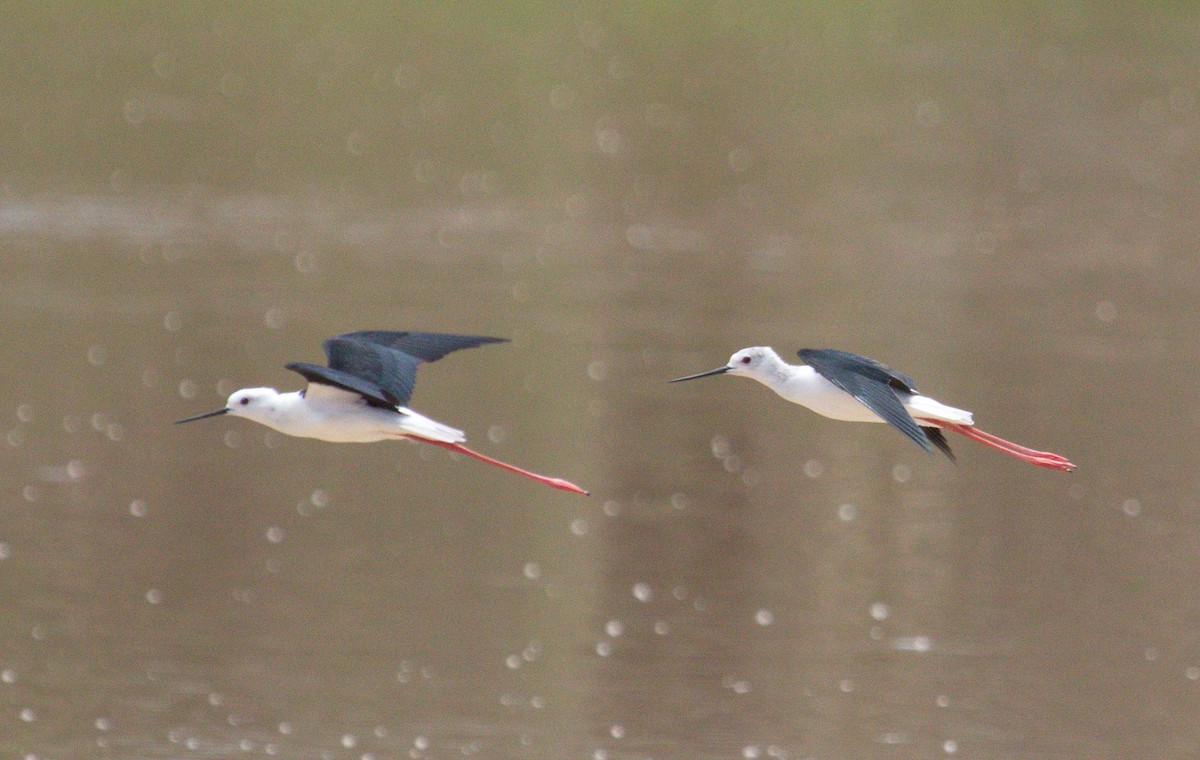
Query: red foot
column 559, row 483
column 1033, row 456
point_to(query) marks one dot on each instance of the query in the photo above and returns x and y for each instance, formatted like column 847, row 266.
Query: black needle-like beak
column 213, row 413
column 717, row 371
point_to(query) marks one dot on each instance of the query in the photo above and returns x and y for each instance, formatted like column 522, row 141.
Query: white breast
column 806, row 387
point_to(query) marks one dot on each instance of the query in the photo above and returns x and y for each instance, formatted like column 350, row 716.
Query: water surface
column 997, row 201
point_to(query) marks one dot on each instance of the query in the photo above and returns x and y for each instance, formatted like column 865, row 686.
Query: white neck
column 285, row 412
column 774, row 372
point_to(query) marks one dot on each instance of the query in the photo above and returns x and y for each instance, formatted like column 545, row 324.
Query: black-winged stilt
column 846, row 386
column 362, row 396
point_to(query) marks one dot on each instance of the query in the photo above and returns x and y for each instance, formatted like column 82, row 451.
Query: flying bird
column 362, row 396
column 846, row 386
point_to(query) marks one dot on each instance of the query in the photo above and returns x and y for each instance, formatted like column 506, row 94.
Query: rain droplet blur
column 919, row 644
column 929, row 113
column 738, row 159
column 356, row 143
column 562, row 97
column 274, row 319
column 1105, row 311
column 188, row 389
column 608, row 141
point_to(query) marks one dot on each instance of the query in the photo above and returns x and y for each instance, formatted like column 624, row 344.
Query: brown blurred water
column 998, row 199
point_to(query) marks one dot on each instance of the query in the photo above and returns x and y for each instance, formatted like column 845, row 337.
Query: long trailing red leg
column 559, row 483
column 1039, row 458
column 1033, row 456
column 982, row 436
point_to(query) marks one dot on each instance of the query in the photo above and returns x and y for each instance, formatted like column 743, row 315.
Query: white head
column 252, row 403
column 757, row 362
column 258, row 404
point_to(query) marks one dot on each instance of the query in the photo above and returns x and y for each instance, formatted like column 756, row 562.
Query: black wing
column 426, row 346
column 872, row 383
column 372, row 392
column 382, row 365
column 938, row 438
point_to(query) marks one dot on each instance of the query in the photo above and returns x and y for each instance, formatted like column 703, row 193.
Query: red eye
column 244, row 401
column 745, row 360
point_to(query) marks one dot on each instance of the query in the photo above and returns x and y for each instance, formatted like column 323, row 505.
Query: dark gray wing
column 373, row 393
column 426, row 346
column 938, row 439
column 382, row 365
column 872, row 383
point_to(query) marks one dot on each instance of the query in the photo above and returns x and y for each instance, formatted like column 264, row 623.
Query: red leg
column 1039, row 458
column 1033, row 456
column 980, row 435
column 559, row 483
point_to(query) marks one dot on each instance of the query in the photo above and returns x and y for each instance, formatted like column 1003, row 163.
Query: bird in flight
column 846, row 386
column 362, row 396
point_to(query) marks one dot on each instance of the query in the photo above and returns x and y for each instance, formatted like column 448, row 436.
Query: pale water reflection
column 996, row 204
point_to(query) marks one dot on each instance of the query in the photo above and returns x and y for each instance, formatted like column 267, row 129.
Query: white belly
column 828, row 400
column 360, row 423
